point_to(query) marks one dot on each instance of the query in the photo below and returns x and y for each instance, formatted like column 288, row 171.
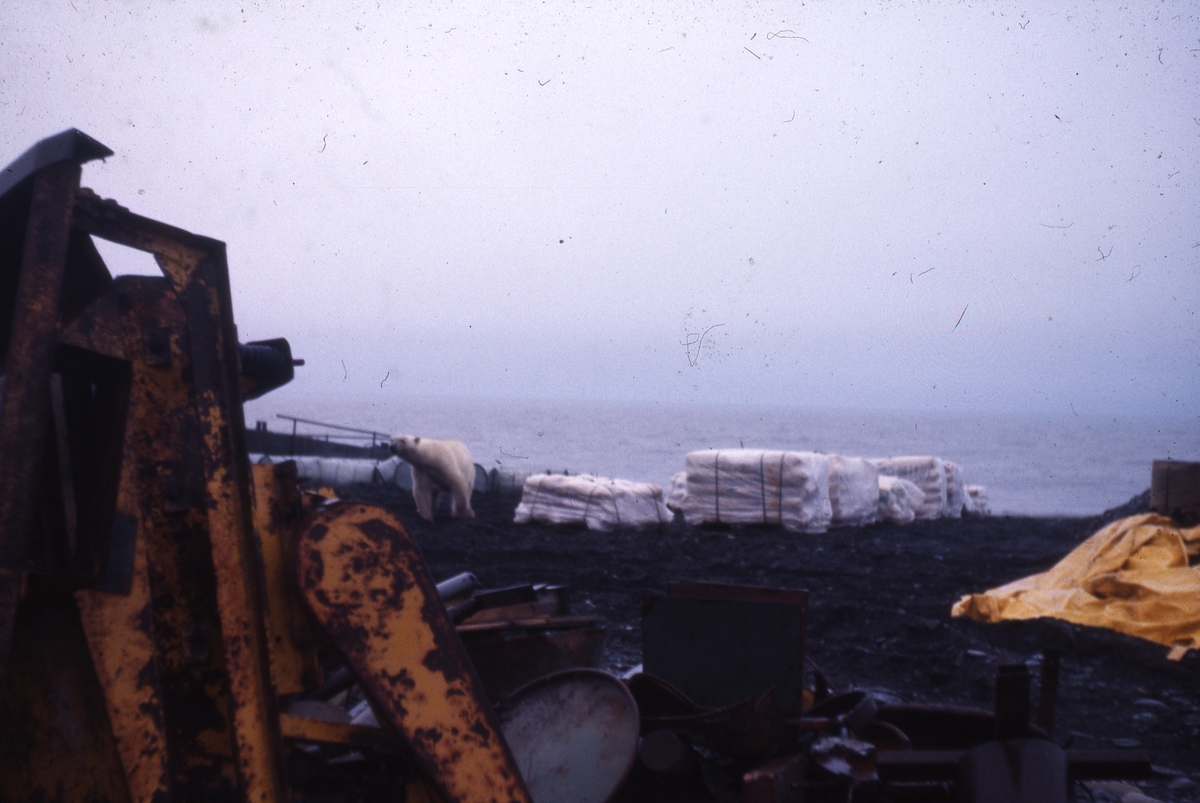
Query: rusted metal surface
column 117, row 614
column 33, row 329
column 519, row 602
column 722, row 592
column 199, row 278
column 574, row 734
column 1012, row 701
column 507, row 658
column 72, row 146
column 126, row 486
column 167, row 482
column 362, row 575
column 1175, row 489
column 301, row 729
column 55, row 743
column 1048, row 690
column 121, row 638
column 294, row 665
column 422, row 790
column 722, row 643
column 192, row 505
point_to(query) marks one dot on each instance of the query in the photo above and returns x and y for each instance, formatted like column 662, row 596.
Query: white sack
column 956, row 494
column 977, row 501
column 853, row 490
column 927, row 473
column 678, row 492
column 754, row 486
column 899, row 500
column 599, row 503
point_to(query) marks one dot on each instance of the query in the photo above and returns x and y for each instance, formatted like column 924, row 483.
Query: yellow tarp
column 1132, row 576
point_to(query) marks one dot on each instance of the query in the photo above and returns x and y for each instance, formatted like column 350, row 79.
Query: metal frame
column 152, row 616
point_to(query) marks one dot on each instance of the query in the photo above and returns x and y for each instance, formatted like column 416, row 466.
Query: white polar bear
column 438, row 466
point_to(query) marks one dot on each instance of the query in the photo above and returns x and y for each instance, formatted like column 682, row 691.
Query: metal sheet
column 26, row 402
column 201, row 283
column 721, row 644
column 194, row 485
column 276, row 513
column 166, row 483
column 70, row 146
column 56, row 743
column 121, row 638
column 1012, row 701
column 1175, row 489
column 180, row 655
column 574, row 735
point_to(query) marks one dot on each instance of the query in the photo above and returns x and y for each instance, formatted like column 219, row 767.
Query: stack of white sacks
column 598, row 503
column 809, row 492
column 755, row 486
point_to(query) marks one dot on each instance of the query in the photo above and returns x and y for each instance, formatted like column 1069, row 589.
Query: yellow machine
column 160, row 600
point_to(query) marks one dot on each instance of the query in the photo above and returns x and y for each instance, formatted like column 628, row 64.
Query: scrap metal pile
column 176, row 624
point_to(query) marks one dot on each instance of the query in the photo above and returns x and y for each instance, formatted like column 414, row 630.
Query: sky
column 923, row 206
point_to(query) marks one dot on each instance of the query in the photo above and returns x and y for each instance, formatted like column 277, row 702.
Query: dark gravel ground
column 879, row 618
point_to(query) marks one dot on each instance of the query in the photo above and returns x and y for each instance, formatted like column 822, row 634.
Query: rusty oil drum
column 574, row 735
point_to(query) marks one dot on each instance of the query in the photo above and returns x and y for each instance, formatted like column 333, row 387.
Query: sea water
column 1034, row 465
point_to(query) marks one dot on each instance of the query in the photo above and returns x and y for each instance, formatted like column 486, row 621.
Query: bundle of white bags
column 899, row 500
column 927, row 473
column 940, row 481
column 853, row 491
column 756, row 486
column 598, row 503
column 808, row 492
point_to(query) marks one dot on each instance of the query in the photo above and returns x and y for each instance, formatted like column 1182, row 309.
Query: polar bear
column 438, row 466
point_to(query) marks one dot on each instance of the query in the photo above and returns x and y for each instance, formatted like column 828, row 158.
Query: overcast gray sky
column 918, row 206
